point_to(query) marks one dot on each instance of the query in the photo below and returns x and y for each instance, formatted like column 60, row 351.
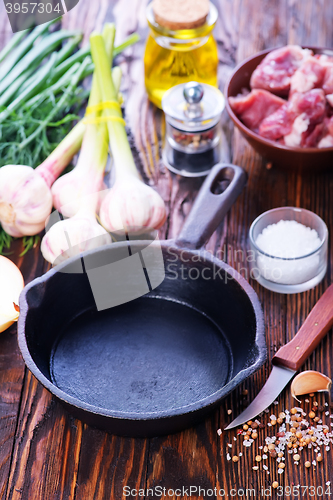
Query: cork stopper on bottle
column 180, row 14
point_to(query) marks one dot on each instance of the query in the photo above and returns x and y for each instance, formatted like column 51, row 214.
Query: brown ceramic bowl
column 287, row 157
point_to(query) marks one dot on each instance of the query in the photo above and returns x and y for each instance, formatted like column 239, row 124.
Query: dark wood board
column 45, row 453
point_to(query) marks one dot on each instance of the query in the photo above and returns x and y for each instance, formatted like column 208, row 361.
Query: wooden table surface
column 44, row 453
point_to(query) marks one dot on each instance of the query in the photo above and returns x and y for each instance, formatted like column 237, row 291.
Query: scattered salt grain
column 228, row 456
column 219, row 431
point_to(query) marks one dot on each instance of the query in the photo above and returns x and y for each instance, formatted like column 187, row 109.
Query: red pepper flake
column 239, row 431
column 280, row 434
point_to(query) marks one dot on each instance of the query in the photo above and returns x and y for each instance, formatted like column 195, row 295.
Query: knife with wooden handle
column 290, row 357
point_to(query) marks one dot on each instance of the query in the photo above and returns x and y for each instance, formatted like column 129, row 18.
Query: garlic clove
column 25, row 200
column 11, row 286
column 309, row 381
column 132, row 206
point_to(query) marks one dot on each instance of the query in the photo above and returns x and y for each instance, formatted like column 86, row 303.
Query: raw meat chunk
column 312, row 137
column 327, row 139
column 276, row 69
column 278, row 124
column 299, row 127
column 329, row 98
column 326, row 142
column 255, row 106
column 308, row 76
column 329, row 125
column 313, row 103
column 293, row 119
column 328, row 80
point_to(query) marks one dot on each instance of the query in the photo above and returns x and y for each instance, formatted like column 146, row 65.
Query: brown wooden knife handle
column 313, row 330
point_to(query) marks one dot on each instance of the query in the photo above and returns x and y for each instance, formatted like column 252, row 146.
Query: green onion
column 74, row 81
column 17, row 85
column 85, row 51
column 68, row 49
column 36, row 82
column 15, row 40
column 56, row 87
column 120, row 147
column 38, row 53
column 131, row 40
column 23, row 48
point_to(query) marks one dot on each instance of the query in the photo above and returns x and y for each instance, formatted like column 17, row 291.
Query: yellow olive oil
column 174, row 57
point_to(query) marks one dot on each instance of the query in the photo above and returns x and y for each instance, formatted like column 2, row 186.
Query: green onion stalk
column 130, row 206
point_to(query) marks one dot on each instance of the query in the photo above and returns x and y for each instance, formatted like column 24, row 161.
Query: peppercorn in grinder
column 193, row 130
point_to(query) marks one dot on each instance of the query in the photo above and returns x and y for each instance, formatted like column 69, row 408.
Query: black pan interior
column 173, row 348
column 149, row 355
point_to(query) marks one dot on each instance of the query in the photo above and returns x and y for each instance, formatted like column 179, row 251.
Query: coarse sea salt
column 288, row 239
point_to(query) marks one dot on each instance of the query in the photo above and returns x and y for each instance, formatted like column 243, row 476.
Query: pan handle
column 209, row 208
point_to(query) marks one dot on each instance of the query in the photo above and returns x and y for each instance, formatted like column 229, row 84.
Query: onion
column 11, row 286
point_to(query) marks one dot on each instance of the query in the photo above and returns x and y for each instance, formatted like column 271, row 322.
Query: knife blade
column 291, row 357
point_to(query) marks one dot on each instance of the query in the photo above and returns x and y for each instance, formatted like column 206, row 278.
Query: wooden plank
column 46, row 452
column 12, row 370
column 108, row 463
column 183, row 460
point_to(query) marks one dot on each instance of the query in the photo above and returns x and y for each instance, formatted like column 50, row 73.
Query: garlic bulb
column 132, row 206
column 72, row 236
column 25, row 196
column 25, row 200
column 86, row 177
column 62, row 194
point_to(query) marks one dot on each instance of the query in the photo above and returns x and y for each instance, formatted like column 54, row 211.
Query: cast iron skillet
column 158, row 363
